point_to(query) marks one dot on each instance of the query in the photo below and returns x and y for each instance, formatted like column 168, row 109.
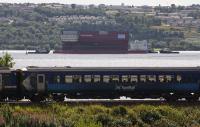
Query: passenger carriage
column 112, row 82
column 9, row 83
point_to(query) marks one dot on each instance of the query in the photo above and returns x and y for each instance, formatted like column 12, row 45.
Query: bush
column 104, row 119
column 2, row 121
column 98, row 116
column 67, row 123
column 6, row 112
column 165, row 123
column 87, row 123
column 19, row 120
column 95, row 109
column 119, row 111
column 132, row 117
column 80, row 110
column 121, row 123
column 172, row 114
column 150, row 116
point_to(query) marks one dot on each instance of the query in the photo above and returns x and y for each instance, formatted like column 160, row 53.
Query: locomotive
column 39, row 83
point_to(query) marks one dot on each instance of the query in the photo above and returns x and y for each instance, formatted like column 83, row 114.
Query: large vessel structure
column 95, row 42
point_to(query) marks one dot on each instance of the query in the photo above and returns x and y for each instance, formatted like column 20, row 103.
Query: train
column 57, row 83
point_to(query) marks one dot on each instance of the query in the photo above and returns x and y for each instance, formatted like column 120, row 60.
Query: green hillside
column 31, row 26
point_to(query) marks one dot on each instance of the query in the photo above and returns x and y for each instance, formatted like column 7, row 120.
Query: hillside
column 32, row 26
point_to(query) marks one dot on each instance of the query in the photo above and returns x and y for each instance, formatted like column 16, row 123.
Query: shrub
column 80, row 110
column 132, row 117
column 58, row 109
column 6, row 111
column 166, row 110
column 95, row 109
column 20, row 120
column 165, row 123
column 149, row 116
column 97, row 116
column 45, row 124
column 119, row 111
column 67, row 123
column 2, row 121
column 87, row 123
column 173, row 114
column 121, row 123
column 104, row 119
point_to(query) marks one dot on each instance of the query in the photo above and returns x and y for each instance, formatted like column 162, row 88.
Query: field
column 62, row 115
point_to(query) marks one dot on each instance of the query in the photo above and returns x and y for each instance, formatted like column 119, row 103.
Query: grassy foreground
column 57, row 115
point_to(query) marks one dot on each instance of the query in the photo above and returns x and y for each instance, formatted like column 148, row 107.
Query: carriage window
column 87, row 78
column 134, row 78
column 152, row 78
column 169, row 78
column 143, row 78
column 106, row 78
column 68, row 79
column 97, row 78
column 115, row 78
column 77, row 78
column 124, row 78
column 178, row 78
column 58, row 79
column 161, row 78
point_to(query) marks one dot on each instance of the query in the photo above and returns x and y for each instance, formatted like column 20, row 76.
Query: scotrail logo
column 125, row 87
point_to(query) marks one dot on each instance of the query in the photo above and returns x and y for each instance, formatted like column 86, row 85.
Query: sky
column 109, row 2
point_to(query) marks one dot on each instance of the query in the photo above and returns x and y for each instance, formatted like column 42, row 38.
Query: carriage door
column 1, row 84
column 40, row 83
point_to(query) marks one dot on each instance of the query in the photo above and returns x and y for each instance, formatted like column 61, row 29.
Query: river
column 184, row 59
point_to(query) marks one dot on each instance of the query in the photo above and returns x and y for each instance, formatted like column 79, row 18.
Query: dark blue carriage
column 9, row 83
column 106, row 82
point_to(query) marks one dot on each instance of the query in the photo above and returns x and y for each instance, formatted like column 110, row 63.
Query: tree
column 7, row 61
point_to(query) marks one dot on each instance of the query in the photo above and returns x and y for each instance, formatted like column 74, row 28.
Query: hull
column 167, row 51
column 37, row 52
column 137, row 52
column 87, row 52
column 100, row 52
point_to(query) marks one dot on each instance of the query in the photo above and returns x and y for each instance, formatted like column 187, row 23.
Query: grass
column 60, row 115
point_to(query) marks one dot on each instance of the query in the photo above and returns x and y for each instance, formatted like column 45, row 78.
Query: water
column 184, row 59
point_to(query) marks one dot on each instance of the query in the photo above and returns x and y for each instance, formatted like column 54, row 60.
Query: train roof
column 5, row 70
column 68, row 68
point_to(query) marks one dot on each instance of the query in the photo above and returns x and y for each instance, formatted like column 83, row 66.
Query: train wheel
column 192, row 99
column 171, row 99
column 2, row 99
column 37, row 98
column 58, row 98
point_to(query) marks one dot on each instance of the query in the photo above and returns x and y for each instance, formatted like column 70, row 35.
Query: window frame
column 67, row 77
column 134, row 78
column 94, row 78
column 86, row 77
column 106, row 78
column 126, row 77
